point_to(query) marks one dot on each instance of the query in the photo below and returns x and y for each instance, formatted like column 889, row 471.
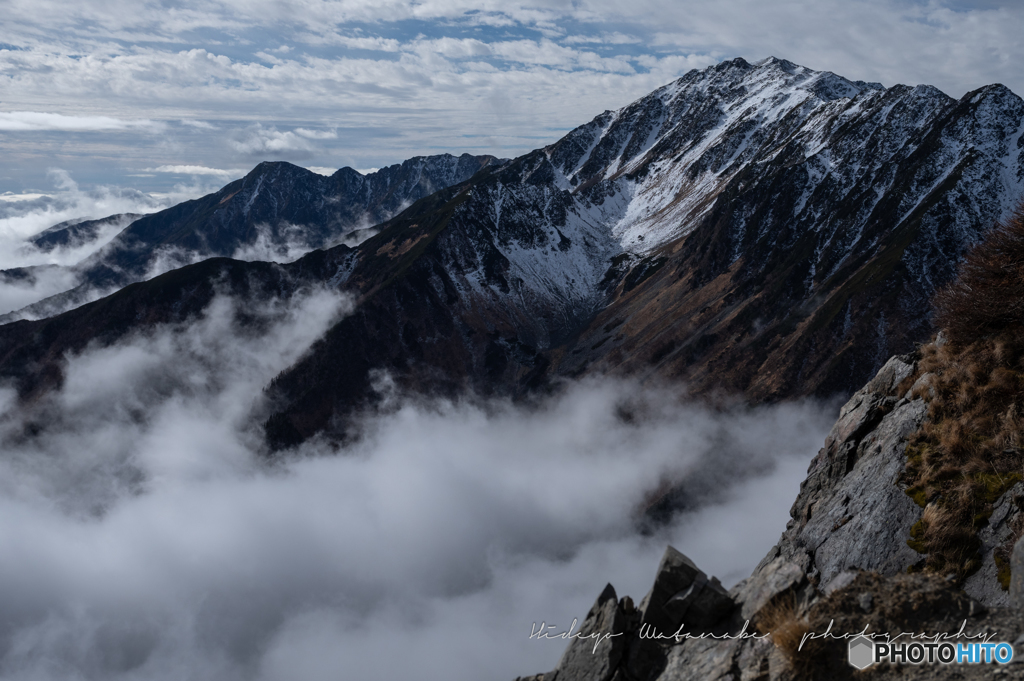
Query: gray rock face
column 851, row 512
column 1002, row 526
column 1017, row 575
column 866, row 520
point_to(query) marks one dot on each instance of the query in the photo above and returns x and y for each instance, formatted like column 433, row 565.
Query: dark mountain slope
column 276, row 212
column 73, row 232
column 33, row 353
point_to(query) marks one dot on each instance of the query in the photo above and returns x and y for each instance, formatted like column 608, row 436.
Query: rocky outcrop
column 851, row 512
column 841, row 565
column 596, row 653
column 682, row 596
column 1003, row 526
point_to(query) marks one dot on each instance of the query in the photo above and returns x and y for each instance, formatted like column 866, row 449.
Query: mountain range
column 759, row 229
column 276, row 212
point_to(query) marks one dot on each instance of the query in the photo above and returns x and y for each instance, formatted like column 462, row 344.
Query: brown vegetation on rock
column 987, row 296
column 968, row 452
column 782, row 619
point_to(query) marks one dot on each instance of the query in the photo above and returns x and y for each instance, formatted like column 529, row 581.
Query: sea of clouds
column 149, row 534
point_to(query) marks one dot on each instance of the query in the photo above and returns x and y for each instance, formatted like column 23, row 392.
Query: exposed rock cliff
column 843, row 560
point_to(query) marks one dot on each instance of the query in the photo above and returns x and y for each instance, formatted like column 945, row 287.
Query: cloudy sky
column 162, row 94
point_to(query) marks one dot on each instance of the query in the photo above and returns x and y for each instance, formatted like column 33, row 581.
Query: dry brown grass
column 781, row 619
column 969, row 450
column 967, row 453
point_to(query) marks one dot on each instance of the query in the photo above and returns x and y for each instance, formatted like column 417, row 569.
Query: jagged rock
column 596, row 652
column 682, row 595
column 984, row 584
column 682, row 600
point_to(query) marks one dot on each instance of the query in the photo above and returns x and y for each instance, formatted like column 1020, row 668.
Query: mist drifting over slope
column 148, row 534
column 23, row 216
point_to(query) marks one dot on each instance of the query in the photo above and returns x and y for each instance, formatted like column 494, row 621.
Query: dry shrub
column 1010, row 429
column 988, row 293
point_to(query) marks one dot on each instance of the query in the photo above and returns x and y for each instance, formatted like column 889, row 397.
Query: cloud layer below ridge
column 149, row 536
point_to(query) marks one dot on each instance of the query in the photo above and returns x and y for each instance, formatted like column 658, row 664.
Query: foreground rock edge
column 840, row 566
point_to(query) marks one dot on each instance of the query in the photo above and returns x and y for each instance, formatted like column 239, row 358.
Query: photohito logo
column 863, row 652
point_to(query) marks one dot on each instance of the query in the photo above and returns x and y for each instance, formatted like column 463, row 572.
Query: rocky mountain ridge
column 277, row 213
column 761, row 229
column 802, row 224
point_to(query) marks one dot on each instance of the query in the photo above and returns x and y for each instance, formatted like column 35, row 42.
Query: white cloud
column 367, row 43
column 286, row 246
column 41, row 282
column 614, row 38
column 321, row 170
column 11, row 197
column 26, row 215
column 316, row 134
column 33, row 121
column 202, row 125
column 260, row 142
column 532, row 52
column 198, row 170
